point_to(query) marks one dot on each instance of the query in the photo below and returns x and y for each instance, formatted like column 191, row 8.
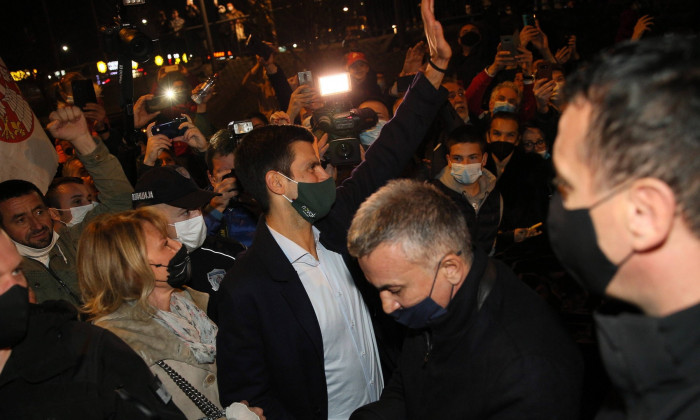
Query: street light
column 64, row 47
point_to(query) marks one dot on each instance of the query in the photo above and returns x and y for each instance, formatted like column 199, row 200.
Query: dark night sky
column 24, row 29
column 25, row 25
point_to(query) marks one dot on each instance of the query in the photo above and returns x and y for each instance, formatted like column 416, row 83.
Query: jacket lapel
column 287, row 281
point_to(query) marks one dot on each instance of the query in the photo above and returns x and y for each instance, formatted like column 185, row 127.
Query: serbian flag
column 25, row 150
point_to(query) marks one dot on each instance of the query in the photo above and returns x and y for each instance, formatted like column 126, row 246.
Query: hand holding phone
column 529, row 20
column 544, row 71
column 83, row 93
column 508, row 44
column 171, row 129
column 305, row 78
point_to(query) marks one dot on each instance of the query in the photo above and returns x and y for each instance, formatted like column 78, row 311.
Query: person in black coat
column 482, row 345
column 273, row 344
column 522, row 179
column 54, row 366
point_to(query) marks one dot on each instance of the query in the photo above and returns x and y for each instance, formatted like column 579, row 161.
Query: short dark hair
column 52, row 192
column 14, row 188
column 502, row 115
column 466, row 134
column 645, row 99
column 222, row 143
column 266, row 149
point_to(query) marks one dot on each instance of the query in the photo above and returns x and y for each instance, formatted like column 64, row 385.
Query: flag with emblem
column 25, row 150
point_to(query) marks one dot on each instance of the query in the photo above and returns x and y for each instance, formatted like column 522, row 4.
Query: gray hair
column 507, row 85
column 426, row 223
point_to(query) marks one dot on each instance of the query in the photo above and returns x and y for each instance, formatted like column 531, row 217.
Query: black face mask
column 470, row 39
column 501, row 149
column 14, row 306
column 575, row 244
column 179, row 269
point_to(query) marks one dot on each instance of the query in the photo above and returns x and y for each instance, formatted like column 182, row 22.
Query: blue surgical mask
column 545, row 155
column 466, row 174
column 369, row 136
column 424, row 312
column 500, row 106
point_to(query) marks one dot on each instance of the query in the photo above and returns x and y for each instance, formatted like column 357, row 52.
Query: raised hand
column 193, row 137
column 413, row 62
column 440, row 51
column 69, row 124
column 643, row 25
column 154, row 145
column 141, row 116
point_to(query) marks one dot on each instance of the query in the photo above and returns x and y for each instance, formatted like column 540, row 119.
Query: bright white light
column 294, row 45
column 176, row 55
column 57, row 73
column 169, row 93
column 336, row 83
column 345, row 9
column 64, row 47
column 144, row 21
column 63, row 72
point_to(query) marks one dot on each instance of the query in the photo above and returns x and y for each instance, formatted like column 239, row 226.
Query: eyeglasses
column 528, row 144
column 459, row 93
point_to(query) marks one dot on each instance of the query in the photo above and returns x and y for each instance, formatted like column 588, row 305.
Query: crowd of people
column 181, row 30
column 292, row 266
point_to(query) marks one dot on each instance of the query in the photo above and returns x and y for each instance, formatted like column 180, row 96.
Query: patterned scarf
column 191, row 325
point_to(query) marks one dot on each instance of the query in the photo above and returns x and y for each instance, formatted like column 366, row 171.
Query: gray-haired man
column 482, row 345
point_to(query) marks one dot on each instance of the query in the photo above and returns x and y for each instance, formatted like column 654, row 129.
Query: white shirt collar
column 293, row 251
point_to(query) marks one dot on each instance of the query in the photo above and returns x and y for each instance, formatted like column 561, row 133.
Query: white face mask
column 466, row 174
column 78, row 213
column 39, row 254
column 191, row 232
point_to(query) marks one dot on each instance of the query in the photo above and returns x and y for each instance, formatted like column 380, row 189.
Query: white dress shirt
column 351, row 360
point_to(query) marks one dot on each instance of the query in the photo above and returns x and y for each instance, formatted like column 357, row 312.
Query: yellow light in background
column 134, row 65
column 19, row 75
column 158, row 60
column 184, row 58
column 177, row 60
column 102, row 67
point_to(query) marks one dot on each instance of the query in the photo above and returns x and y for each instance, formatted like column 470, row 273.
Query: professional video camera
column 343, row 128
column 342, row 123
column 125, row 40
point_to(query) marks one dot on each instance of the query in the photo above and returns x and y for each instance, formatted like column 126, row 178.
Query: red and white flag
column 25, row 150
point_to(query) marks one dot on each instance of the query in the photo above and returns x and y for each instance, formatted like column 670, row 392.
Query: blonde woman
column 132, row 277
